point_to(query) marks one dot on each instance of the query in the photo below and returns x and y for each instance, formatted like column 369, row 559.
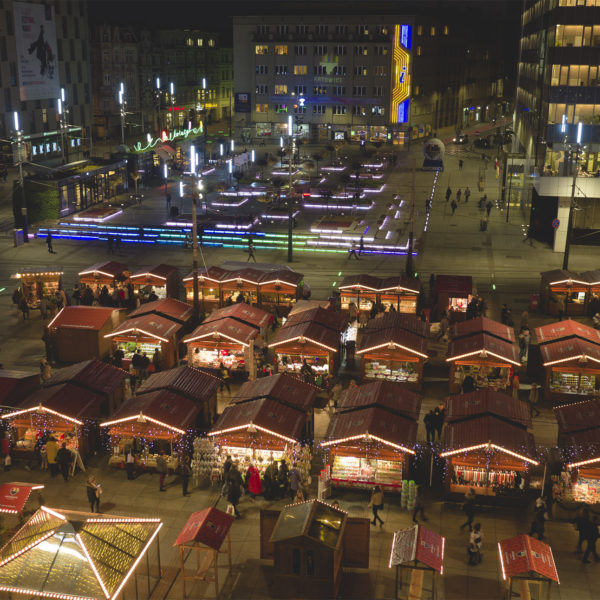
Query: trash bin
column 18, row 237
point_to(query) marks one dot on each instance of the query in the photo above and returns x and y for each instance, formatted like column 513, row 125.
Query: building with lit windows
column 557, row 116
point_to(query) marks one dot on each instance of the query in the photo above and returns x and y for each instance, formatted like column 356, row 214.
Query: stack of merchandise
column 204, row 460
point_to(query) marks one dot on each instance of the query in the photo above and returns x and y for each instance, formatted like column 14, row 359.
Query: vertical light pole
column 122, row 103
column 166, row 176
column 572, row 202
column 290, row 125
column 195, row 194
column 20, row 144
column 172, row 95
column 157, row 101
column 204, row 120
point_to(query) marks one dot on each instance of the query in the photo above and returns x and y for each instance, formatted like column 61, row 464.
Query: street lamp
column 166, row 176
column 195, row 194
column 157, row 102
column 20, row 148
column 122, row 103
column 572, row 201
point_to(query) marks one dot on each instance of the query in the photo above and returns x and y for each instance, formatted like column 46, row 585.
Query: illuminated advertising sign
column 400, row 89
column 242, row 102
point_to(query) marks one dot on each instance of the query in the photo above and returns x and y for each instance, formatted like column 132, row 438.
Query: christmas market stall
column 79, row 333
column 593, row 280
column 168, row 308
column 362, row 290
column 483, row 350
column 161, row 280
column 453, row 293
column 571, row 358
column 111, row 274
column 418, row 550
column 152, row 422
column 241, row 285
column 279, row 289
column 37, row 282
column 490, row 455
column 149, row 334
column 244, row 314
column 209, row 287
column 74, row 555
column 563, row 292
column 15, row 385
column 529, row 562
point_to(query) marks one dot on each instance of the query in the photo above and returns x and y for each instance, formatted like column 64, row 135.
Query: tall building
column 557, row 116
column 43, row 48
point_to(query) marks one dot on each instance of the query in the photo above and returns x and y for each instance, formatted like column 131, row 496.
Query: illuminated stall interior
column 581, row 450
column 566, row 289
column 453, row 293
column 279, row 289
column 241, row 286
column 488, row 454
column 112, row 274
column 162, row 280
column 209, row 287
column 37, row 282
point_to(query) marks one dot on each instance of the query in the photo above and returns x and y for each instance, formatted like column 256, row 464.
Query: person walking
column 185, row 470
column 49, row 242
column 24, row 307
column 453, row 206
column 515, row 385
column 109, row 241
column 440, row 417
column 352, row 251
column 361, row 245
column 468, row 508
column 51, row 452
column 590, row 535
column 460, row 164
column 161, row 469
column 475, row 543
column 538, row 524
column 225, row 376
column 488, row 207
column 168, row 198
column 467, row 194
column 458, row 195
column 254, row 483
column 282, row 478
column 251, row 251
column 93, row 490
column 419, row 505
column 444, row 324
column 234, row 488
column 295, row 480
column 448, row 193
column 534, row 396
column 429, row 421
column 427, row 206
column 63, row 458
column 376, row 504
column 582, row 523
column 130, row 463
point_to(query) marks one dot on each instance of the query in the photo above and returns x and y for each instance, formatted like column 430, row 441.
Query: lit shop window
column 281, row 49
column 280, row 89
column 261, row 49
column 432, row 31
column 446, row 30
column 300, row 69
column 262, row 108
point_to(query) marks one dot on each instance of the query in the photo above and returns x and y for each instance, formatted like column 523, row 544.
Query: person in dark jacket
column 440, row 417
column 234, row 488
column 295, row 480
column 93, row 490
column 590, row 535
column 469, row 509
column 581, row 523
column 185, row 470
column 161, row 469
column 429, row 421
column 283, row 478
column 419, row 505
column 63, row 458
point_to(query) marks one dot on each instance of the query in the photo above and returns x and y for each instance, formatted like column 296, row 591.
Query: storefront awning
column 562, row 330
column 561, row 277
column 391, row 395
column 418, row 543
column 582, row 448
column 111, row 269
column 393, row 339
column 169, row 308
column 196, row 385
column 482, row 345
column 94, row 375
column 223, row 330
column 323, row 316
column 307, row 334
column 211, row 274
column 160, row 271
column 571, row 350
column 243, row 313
column 400, row 320
column 372, row 424
column 524, row 555
column 264, row 416
column 489, row 433
column 14, row 496
column 83, row 317
column 487, row 402
column 456, row 286
column 151, row 326
column 483, row 325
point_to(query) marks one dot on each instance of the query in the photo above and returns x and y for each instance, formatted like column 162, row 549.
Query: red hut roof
column 310, row 333
column 562, row 330
column 487, row 402
column 110, row 268
column 282, row 387
column 385, row 394
column 394, row 338
column 213, row 274
column 82, row 317
column 401, row 320
column 418, row 543
column 150, row 325
column 16, row 384
column 487, row 431
column 558, row 276
column 459, row 286
column 94, row 375
column 368, row 283
column 266, row 415
column 284, row 276
column 229, row 329
column 242, row 312
column 573, row 349
column 208, row 527
column 160, row 271
column 193, row 383
column 246, row 275
column 524, row 555
column 322, row 316
column 482, row 345
column 583, row 447
column 375, row 424
column 170, row 308
column 592, row 277
column 483, row 325
column 578, row 416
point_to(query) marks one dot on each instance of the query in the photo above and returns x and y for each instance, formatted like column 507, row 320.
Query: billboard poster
column 35, row 35
column 242, row 102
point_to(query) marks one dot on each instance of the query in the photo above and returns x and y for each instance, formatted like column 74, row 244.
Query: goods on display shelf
column 294, row 363
column 212, row 357
column 39, row 283
column 145, row 347
column 466, row 474
column 205, row 460
column 495, row 378
column 391, row 370
column 365, row 472
column 586, row 490
column 144, row 459
column 574, row 383
column 404, row 494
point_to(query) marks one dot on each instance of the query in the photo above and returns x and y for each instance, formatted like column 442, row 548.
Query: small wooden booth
column 279, row 289
column 418, row 550
column 484, row 350
column 204, row 534
column 571, row 358
column 529, row 562
column 148, row 333
column 111, row 273
column 453, row 293
column 15, row 385
column 80, row 332
column 560, row 289
column 245, row 314
column 241, row 286
column 209, row 287
column 490, row 455
column 37, row 282
column 362, row 290
column 151, row 422
column 162, row 280
column 168, row 308
column 60, row 553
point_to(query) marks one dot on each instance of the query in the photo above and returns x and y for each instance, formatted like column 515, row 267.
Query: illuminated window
column 262, row 108
column 381, row 50
column 419, row 51
column 300, row 69
column 189, row 42
column 382, row 29
column 261, row 49
column 200, row 42
column 360, row 51
column 280, row 89
column 359, row 111
column 211, row 43
column 446, row 31
column 417, row 90
column 432, row 31
column 362, row 29
column 420, row 30
column 281, row 49
column 339, row 109
column 360, row 70
column 378, row 110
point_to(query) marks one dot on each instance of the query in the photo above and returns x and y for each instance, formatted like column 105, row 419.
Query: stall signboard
column 209, row 527
column 523, row 554
column 14, row 496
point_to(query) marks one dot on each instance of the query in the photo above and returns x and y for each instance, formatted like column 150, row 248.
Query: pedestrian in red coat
column 254, row 484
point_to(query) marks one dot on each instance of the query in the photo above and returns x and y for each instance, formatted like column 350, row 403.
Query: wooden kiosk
column 245, row 314
column 15, row 385
column 161, row 279
column 209, row 287
column 360, row 289
column 279, row 289
column 112, row 274
column 241, row 286
column 168, row 308
column 39, row 282
column 529, row 562
column 204, row 533
column 453, row 293
column 418, row 550
column 563, row 289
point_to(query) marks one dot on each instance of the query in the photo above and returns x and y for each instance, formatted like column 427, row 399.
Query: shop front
column 148, row 334
column 241, row 286
column 393, row 355
column 111, row 274
column 490, row 455
column 563, row 292
column 453, row 293
column 37, row 283
column 209, row 287
column 369, row 446
column 360, row 290
column 161, row 280
column 279, row 289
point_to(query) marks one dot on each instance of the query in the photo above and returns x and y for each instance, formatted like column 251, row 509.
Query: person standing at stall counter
column 161, row 469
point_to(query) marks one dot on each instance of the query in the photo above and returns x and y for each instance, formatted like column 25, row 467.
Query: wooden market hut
column 109, row 273
column 452, row 294
column 593, row 299
column 168, row 308
column 37, row 282
column 488, row 454
column 161, row 279
column 80, row 556
column 581, row 452
column 95, row 376
column 564, row 291
column 360, row 289
column 483, row 349
column 15, row 385
column 576, row 417
column 323, row 316
column 528, row 561
column 279, row 289
column 241, row 284
column 209, row 287
column 80, row 332
column 245, row 314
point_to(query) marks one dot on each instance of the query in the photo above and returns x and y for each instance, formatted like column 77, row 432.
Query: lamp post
column 572, row 201
column 122, row 103
column 20, row 145
column 290, row 125
column 166, row 176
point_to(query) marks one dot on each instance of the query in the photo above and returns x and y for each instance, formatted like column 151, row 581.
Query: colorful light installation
column 400, row 98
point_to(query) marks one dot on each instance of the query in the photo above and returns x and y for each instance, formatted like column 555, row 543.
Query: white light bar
column 146, row 418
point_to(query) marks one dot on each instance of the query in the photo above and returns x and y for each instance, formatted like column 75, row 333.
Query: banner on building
column 242, row 102
column 35, row 34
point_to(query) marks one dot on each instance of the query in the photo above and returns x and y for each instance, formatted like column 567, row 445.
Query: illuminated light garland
column 392, row 344
column 136, row 330
column 56, row 317
column 22, row 275
column 483, row 352
column 214, row 333
column 248, row 426
column 148, row 275
column 278, row 282
column 142, row 418
column 173, row 135
column 583, row 462
column 303, row 339
column 357, row 288
column 488, row 446
column 97, row 219
column 43, row 409
column 443, row 546
column 26, row 548
column 366, row 436
column 501, row 561
column 240, row 280
column 319, row 502
column 91, row 563
column 399, row 289
column 582, row 358
column 123, row 520
column 570, row 282
column 275, row 217
column 53, row 513
column 39, row 594
column 111, row 275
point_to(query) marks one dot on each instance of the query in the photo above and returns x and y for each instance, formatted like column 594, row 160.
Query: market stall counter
column 79, row 333
column 161, row 280
column 152, row 422
column 453, row 293
column 491, row 456
column 39, row 282
column 209, row 287
column 279, row 290
column 148, row 334
column 111, row 273
column 563, row 292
